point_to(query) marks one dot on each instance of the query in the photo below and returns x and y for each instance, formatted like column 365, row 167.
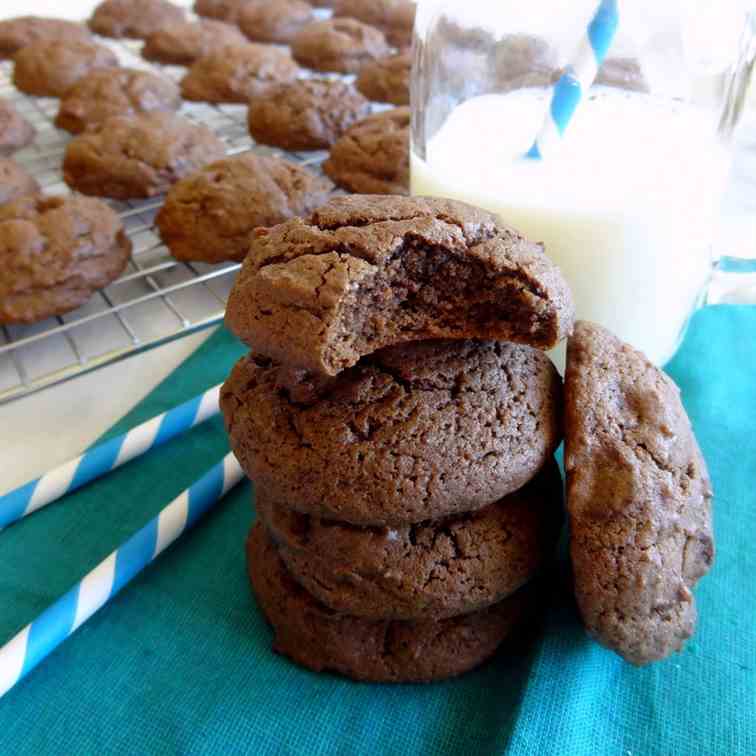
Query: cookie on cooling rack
column 387, row 79
column 17, row 33
column 210, row 215
column 50, row 68
column 129, row 157
column 134, row 18
column 338, row 44
column 395, row 18
column 223, row 10
column 55, row 252
column 310, row 114
column 275, row 21
column 122, row 91
column 373, row 156
column 15, row 181
column 182, row 44
column 237, row 73
column 15, row 131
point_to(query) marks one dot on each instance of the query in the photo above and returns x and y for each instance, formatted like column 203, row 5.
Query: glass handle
column 734, row 278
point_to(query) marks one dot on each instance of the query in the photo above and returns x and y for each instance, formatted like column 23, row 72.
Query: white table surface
column 49, row 427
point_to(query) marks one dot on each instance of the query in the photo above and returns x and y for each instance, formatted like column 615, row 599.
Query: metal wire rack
column 156, row 299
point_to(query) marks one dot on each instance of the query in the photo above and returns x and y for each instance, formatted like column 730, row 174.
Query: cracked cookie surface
column 237, row 73
column 381, row 651
column 210, row 215
column 412, row 433
column 51, row 68
column 638, row 497
column 119, row 92
column 182, row 44
column 54, row 253
column 387, row 79
column 372, row 157
column 364, row 272
column 341, row 45
column 430, row 570
column 310, row 114
column 134, row 18
column 17, row 33
column 138, row 156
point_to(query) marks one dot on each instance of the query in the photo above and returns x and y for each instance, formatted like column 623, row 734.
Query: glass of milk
column 628, row 203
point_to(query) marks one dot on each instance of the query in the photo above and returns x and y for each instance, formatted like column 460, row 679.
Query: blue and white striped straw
column 30, row 646
column 577, row 79
column 106, row 457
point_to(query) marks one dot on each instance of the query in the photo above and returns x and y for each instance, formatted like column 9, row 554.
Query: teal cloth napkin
column 180, row 662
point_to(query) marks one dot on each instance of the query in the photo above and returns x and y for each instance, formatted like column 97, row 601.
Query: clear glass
column 628, row 204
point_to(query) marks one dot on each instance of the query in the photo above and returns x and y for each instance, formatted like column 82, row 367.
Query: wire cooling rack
column 156, row 299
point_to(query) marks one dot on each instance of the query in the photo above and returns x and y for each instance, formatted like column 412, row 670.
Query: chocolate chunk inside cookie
column 364, row 272
column 638, row 496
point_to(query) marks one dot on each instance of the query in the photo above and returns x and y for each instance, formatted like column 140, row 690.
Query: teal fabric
column 180, row 662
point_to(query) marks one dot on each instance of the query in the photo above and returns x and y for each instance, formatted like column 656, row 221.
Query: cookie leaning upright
column 365, row 272
column 638, row 496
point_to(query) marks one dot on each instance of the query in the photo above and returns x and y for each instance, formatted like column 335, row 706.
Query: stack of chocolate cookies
column 398, row 417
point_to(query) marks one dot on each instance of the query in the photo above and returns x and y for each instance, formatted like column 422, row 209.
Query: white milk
column 626, row 207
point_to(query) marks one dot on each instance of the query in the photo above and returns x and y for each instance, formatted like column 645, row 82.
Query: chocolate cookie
column 15, row 181
column 223, row 10
column 55, row 252
column 18, row 33
column 387, row 79
column 338, row 44
column 237, row 73
column 138, row 156
column 523, row 60
column 381, row 651
column 431, row 570
column 638, row 496
column 364, row 272
column 134, row 18
column 624, row 73
column 186, row 42
column 395, row 18
column 310, row 114
column 411, row 433
column 117, row 92
column 373, row 156
column 210, row 215
column 276, row 21
column 15, row 131
column 49, row 69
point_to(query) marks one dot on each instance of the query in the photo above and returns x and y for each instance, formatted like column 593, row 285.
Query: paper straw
column 30, row 646
column 105, row 457
column 577, row 78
